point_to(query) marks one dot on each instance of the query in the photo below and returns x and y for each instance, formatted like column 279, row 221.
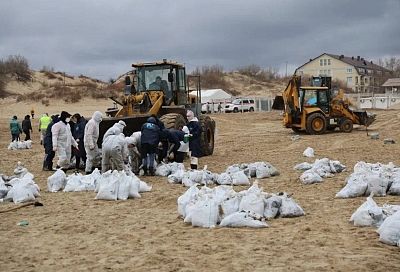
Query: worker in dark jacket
column 149, row 140
column 78, row 133
column 27, row 127
column 15, row 129
column 194, row 140
column 176, row 139
column 48, row 146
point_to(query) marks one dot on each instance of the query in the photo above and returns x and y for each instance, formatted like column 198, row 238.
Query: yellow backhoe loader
column 160, row 89
column 318, row 108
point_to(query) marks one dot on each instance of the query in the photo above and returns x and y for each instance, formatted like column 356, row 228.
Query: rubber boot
column 145, row 171
column 151, row 170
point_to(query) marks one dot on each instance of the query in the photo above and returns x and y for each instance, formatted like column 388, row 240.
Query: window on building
column 321, row 72
column 324, row 62
column 356, row 79
column 366, row 80
column 349, row 70
column 329, row 61
column 349, row 81
column 329, row 72
column 320, row 62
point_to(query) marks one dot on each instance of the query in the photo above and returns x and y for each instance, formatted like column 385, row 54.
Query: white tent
column 213, row 96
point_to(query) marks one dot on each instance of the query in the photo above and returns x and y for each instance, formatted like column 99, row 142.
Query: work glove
column 91, row 147
column 54, row 148
column 77, row 140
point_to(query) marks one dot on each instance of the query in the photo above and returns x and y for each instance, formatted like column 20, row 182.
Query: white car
column 240, row 104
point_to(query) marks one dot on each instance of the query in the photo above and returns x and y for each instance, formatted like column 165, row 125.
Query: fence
column 375, row 101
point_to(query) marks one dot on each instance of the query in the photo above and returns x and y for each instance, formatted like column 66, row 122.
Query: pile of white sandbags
column 20, row 187
column 237, row 174
column 221, row 205
column 111, row 185
column 379, row 179
column 20, row 145
column 321, row 168
column 387, row 218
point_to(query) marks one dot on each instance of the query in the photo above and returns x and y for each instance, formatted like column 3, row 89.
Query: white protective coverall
column 114, row 153
column 62, row 141
column 116, row 129
column 90, row 140
column 135, row 158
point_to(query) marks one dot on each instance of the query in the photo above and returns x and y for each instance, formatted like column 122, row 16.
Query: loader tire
column 316, row 124
column 207, row 135
column 173, row 120
column 346, row 125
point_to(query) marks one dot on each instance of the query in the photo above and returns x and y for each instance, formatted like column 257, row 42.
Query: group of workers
column 67, row 136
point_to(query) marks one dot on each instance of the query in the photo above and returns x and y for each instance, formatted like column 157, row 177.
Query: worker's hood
column 97, row 116
column 152, row 120
column 130, row 141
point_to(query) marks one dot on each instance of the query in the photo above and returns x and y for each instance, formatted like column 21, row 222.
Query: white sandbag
column 205, row 214
column 239, row 178
column 175, row 167
column 176, row 177
column 376, row 185
column 124, row 186
column 252, row 202
column 395, row 185
column 303, row 166
column 230, row 205
column 20, row 170
column 336, row 166
column 13, row 146
column 134, row 188
column 272, row 205
column 308, row 152
column 73, row 183
column 192, row 177
column 207, row 178
column 356, row 186
column 265, row 170
column 243, row 219
column 57, row 181
column 108, row 189
column 184, row 199
column 289, row 207
column 143, row 186
column 163, row 170
column 389, row 231
column 103, row 178
column 232, row 169
column 310, row 177
column 20, row 192
column 368, row 214
column 224, row 179
column 322, row 168
column 219, row 193
column 3, row 188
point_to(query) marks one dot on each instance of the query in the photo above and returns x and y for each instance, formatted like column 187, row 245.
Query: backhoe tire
column 207, row 135
column 316, row 123
column 346, row 125
column 173, row 120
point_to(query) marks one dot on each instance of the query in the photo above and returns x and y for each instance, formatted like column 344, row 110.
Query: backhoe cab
column 318, row 108
column 160, row 89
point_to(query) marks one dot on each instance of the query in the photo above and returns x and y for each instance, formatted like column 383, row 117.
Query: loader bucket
column 132, row 124
column 366, row 118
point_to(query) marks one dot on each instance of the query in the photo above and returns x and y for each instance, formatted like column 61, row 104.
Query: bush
column 17, row 66
column 46, row 102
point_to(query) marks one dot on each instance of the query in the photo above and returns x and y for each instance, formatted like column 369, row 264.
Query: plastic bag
column 389, row 231
column 289, row 207
column 239, row 178
column 308, row 152
column 57, row 181
column 243, row 219
column 310, row 177
column 368, row 214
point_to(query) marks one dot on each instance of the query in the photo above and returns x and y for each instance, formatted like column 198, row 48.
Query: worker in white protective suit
column 134, row 156
column 114, row 153
column 116, row 129
column 62, row 141
column 90, row 138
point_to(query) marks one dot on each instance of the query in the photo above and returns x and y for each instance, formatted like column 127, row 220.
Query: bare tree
column 18, row 66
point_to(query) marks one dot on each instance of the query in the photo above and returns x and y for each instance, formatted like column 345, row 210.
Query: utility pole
column 286, row 68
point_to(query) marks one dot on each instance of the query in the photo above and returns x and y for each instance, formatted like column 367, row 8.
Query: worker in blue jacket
column 194, row 140
column 149, row 140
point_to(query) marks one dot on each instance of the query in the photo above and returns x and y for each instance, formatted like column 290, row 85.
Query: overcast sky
column 102, row 38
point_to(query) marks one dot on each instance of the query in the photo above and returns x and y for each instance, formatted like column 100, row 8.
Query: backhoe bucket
column 278, row 104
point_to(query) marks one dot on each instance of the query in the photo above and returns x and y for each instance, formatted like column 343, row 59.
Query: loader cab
column 314, row 97
column 169, row 77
